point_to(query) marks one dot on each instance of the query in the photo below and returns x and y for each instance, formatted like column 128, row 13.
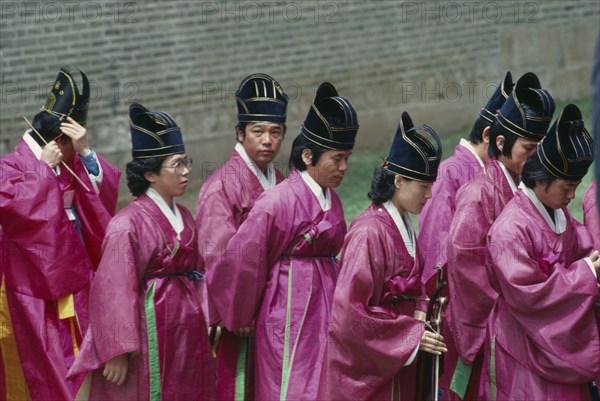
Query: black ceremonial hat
column 567, row 151
column 153, row 133
column 331, row 121
column 65, row 100
column 413, row 155
column 261, row 98
column 512, row 116
column 502, row 92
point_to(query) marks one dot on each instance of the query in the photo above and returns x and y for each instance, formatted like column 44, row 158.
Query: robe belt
column 288, row 255
column 192, row 276
column 330, row 257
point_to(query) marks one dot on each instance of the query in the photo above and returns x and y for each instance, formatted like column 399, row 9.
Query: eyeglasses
column 186, row 162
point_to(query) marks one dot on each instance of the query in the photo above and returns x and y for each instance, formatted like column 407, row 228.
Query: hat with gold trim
column 568, row 150
column 528, row 98
column 331, row 121
column 502, row 92
column 260, row 98
column 412, row 154
column 153, row 133
column 65, row 100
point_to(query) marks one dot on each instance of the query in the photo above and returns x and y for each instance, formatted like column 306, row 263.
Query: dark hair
column 242, row 127
column 47, row 125
column 382, row 186
column 535, row 172
column 509, row 138
column 301, row 143
column 476, row 135
column 135, row 169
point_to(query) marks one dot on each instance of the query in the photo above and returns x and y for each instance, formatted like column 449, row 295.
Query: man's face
column 262, row 142
column 558, row 194
column 521, row 150
column 330, row 169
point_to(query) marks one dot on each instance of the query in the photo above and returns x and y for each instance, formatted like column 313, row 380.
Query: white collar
column 267, row 182
column 404, row 225
column 323, row 197
column 559, row 216
column 172, row 215
column 509, row 178
column 33, row 145
column 466, row 144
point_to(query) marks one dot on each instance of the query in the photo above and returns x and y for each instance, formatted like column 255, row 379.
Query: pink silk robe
column 590, row 214
column 280, row 271
column 434, row 225
column 543, row 339
column 436, row 217
column 158, row 321
column 478, row 204
column 224, row 202
column 371, row 337
column 44, row 260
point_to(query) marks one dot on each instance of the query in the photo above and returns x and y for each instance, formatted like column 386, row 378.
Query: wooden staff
column 428, row 365
column 63, row 163
column 437, row 326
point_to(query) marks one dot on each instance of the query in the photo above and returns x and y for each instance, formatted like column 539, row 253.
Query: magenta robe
column 371, row 334
column 224, row 202
column 543, row 339
column 434, row 225
column 280, row 271
column 478, row 204
column 44, row 260
column 145, row 302
column 590, row 214
column 436, row 216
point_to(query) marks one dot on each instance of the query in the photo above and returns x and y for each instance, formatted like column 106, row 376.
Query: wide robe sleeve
column 96, row 207
column 548, row 322
column 434, row 226
column 114, row 306
column 590, row 215
column 215, row 223
column 236, row 285
column 369, row 342
column 471, row 296
column 37, row 234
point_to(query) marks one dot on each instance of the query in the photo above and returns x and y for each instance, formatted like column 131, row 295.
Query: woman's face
column 410, row 195
column 172, row 180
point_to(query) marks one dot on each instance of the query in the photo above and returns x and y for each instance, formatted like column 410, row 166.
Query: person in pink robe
column 513, row 137
column 52, row 228
column 374, row 333
column 280, row 267
column 224, row 202
column 542, row 341
column 434, row 221
column 590, row 214
column 147, row 338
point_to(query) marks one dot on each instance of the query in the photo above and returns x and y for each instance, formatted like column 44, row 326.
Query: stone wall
column 438, row 60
